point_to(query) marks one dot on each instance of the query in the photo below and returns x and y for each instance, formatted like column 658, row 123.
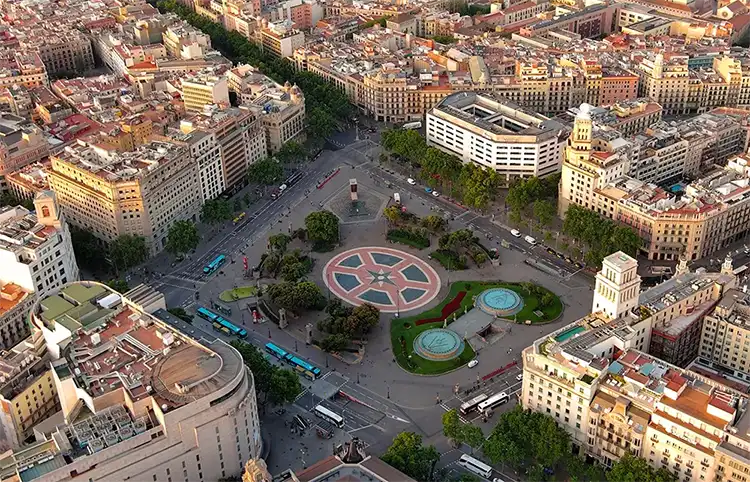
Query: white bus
column 493, row 401
column 473, row 465
column 471, row 405
column 412, row 125
column 326, row 414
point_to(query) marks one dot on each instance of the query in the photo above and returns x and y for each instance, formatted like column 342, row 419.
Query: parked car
column 411, row 181
column 515, row 233
column 519, row 377
column 473, row 363
column 530, row 240
column 435, row 193
column 428, row 190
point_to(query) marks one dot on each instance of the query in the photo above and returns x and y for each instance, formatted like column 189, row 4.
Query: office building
column 725, row 337
column 207, row 154
column 279, row 39
column 142, row 192
column 36, row 252
column 139, row 400
column 497, row 134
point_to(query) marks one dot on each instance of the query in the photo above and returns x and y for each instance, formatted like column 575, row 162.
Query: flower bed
column 447, row 310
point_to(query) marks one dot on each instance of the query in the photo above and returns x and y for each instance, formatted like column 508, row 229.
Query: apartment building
column 14, row 309
column 666, row 82
column 183, row 41
column 182, row 408
column 203, row 89
column 595, row 379
column 62, row 51
column 36, row 252
column 27, row 391
column 280, row 109
column 240, row 136
column 497, row 134
column 21, row 143
column 725, row 336
column 662, row 156
column 142, row 192
column 279, row 39
column 28, row 181
column 22, row 68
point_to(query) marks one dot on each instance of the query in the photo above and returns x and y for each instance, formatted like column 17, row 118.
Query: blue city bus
column 220, row 323
column 274, row 350
column 215, row 264
column 309, row 371
column 235, row 330
column 207, row 314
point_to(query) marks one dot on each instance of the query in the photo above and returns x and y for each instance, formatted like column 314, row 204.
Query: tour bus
column 328, row 415
column 472, row 404
column 493, row 401
column 473, row 465
column 412, row 125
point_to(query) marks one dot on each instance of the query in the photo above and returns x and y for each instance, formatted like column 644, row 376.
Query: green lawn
column 407, row 328
column 238, row 293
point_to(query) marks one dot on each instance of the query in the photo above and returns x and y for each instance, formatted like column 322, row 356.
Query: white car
column 473, row 363
column 435, row 193
column 411, row 181
column 530, row 240
column 519, row 377
column 515, row 233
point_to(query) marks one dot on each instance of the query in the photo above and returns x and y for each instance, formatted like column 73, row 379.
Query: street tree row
column 474, row 186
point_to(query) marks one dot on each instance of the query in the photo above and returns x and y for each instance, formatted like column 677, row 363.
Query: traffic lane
column 356, row 416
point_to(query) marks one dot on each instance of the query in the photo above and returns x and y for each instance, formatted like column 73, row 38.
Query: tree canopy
column 266, row 171
column 127, row 251
column 637, row 469
column 182, row 237
column 304, row 295
column 472, row 184
column 522, row 436
column 408, row 455
column 322, row 227
column 602, row 236
column 216, row 210
column 273, row 384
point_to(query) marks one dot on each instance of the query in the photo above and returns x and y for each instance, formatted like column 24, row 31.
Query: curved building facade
column 140, row 400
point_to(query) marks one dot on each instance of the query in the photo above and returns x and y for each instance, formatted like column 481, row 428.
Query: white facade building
column 497, row 134
column 36, row 252
column 158, row 404
column 617, row 285
column 206, row 152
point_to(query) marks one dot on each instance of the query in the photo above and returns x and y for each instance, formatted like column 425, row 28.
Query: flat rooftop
column 677, row 288
column 114, row 346
column 19, row 228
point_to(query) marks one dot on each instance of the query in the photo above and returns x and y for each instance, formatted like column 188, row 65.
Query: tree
column 452, row 427
column 602, row 236
column 408, row 455
column 182, row 237
column 522, row 436
column 279, row 242
column 180, row 313
column 468, row 478
column 215, row 211
column 291, row 151
column 293, row 271
column 547, row 299
column 362, row 319
column 392, row 214
column 267, row 172
column 271, row 264
column 444, row 39
column 88, row 249
column 304, row 295
column 479, row 185
column 322, row 227
column 334, row 342
column 284, row 387
column 127, row 251
column 544, row 211
column 119, row 285
column 637, row 469
column 272, row 384
column 9, row 199
column 433, row 223
column 472, row 436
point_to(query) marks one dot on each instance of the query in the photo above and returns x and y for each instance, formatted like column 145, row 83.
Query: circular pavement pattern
column 499, row 302
column 438, row 344
column 391, row 280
